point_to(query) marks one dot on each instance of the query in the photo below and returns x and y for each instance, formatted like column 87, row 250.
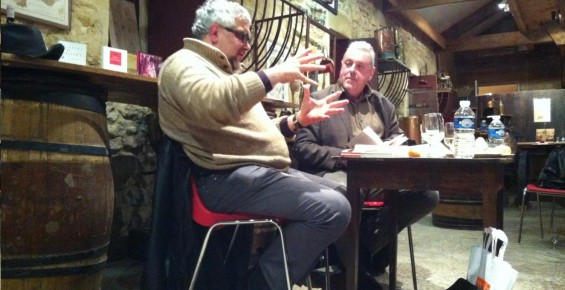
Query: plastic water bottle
column 10, row 15
column 484, row 127
column 495, row 132
column 464, row 123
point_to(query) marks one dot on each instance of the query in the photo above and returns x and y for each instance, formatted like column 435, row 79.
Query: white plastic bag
column 487, row 270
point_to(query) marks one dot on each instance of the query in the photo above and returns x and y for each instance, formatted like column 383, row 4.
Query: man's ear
column 214, row 33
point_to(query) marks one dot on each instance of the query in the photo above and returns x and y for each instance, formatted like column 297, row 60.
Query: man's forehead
column 357, row 56
column 240, row 21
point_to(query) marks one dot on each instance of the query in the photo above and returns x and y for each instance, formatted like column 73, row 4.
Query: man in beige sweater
column 241, row 157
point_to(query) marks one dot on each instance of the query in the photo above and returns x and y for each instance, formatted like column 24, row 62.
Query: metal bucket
column 411, row 127
column 386, row 42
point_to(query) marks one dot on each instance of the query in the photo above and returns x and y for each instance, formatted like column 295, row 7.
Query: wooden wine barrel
column 457, row 210
column 57, row 190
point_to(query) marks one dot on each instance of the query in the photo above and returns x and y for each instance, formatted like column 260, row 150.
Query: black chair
column 539, row 191
column 369, row 206
column 175, row 239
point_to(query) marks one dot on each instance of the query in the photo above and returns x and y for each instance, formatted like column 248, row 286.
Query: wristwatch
column 295, row 122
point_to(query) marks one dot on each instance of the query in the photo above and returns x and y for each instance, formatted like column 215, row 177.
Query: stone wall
column 133, row 159
column 360, row 19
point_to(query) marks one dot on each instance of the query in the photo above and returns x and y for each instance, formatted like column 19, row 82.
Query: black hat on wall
column 27, row 41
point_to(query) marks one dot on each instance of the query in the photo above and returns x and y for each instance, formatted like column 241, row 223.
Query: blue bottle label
column 496, row 133
column 464, row 123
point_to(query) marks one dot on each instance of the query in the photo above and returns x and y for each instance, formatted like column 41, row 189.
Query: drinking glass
column 433, row 130
column 449, row 134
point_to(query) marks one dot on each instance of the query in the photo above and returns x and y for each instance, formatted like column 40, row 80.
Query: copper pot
column 411, row 127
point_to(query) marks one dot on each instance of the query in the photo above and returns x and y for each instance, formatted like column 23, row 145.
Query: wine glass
column 449, row 135
column 433, row 130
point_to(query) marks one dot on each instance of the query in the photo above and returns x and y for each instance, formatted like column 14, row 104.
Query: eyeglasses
column 243, row 36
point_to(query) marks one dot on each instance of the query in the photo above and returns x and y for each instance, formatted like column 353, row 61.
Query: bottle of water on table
column 464, row 123
column 495, row 132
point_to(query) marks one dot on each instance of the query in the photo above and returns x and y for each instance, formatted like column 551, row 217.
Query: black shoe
column 379, row 262
column 256, row 280
column 367, row 282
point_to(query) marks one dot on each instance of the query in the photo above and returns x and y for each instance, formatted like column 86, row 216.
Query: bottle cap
column 10, row 12
column 494, row 117
column 464, row 103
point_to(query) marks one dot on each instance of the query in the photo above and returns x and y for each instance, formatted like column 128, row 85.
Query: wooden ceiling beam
column 472, row 21
column 516, row 10
column 498, row 40
column 422, row 24
column 556, row 32
column 484, row 25
column 418, row 4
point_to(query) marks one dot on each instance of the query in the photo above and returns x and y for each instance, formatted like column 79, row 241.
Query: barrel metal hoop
column 68, row 99
column 52, row 272
column 15, row 268
column 55, row 147
column 461, row 201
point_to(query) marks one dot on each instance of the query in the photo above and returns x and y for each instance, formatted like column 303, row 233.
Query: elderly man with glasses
column 241, row 158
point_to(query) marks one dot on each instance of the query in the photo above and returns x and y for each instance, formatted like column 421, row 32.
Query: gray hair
column 222, row 12
column 363, row 46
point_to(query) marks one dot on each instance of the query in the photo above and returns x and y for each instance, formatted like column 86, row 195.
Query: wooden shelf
column 391, row 65
column 113, row 86
column 277, row 104
column 110, row 85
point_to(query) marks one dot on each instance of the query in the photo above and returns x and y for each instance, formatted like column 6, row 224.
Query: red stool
column 213, row 220
column 555, row 193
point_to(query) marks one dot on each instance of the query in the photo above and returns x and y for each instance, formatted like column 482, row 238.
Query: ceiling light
column 503, row 4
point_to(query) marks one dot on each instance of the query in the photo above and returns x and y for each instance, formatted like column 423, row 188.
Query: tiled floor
column 442, row 255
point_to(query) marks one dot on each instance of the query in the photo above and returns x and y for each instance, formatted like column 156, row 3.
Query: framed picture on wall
column 54, row 12
column 331, row 5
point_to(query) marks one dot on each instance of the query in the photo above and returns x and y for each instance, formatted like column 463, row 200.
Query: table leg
column 393, row 237
column 493, row 199
column 351, row 258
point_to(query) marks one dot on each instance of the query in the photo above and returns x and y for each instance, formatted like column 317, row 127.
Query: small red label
column 482, row 284
column 116, row 58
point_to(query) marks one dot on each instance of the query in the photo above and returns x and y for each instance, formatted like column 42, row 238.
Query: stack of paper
column 369, row 144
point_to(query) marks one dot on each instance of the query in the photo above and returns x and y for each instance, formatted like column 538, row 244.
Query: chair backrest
column 172, row 236
column 552, row 174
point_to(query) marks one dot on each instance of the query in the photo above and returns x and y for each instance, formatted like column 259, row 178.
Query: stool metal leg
column 201, row 256
column 283, row 242
column 309, row 282
column 236, row 223
column 552, row 213
column 232, row 241
column 540, row 220
column 413, row 262
column 328, row 269
column 522, row 217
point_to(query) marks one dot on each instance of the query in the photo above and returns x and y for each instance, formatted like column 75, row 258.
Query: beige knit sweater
column 216, row 114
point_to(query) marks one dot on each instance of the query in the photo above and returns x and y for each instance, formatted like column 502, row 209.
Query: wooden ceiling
column 484, row 26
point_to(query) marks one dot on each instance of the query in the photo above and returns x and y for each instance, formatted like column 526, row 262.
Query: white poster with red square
column 114, row 59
